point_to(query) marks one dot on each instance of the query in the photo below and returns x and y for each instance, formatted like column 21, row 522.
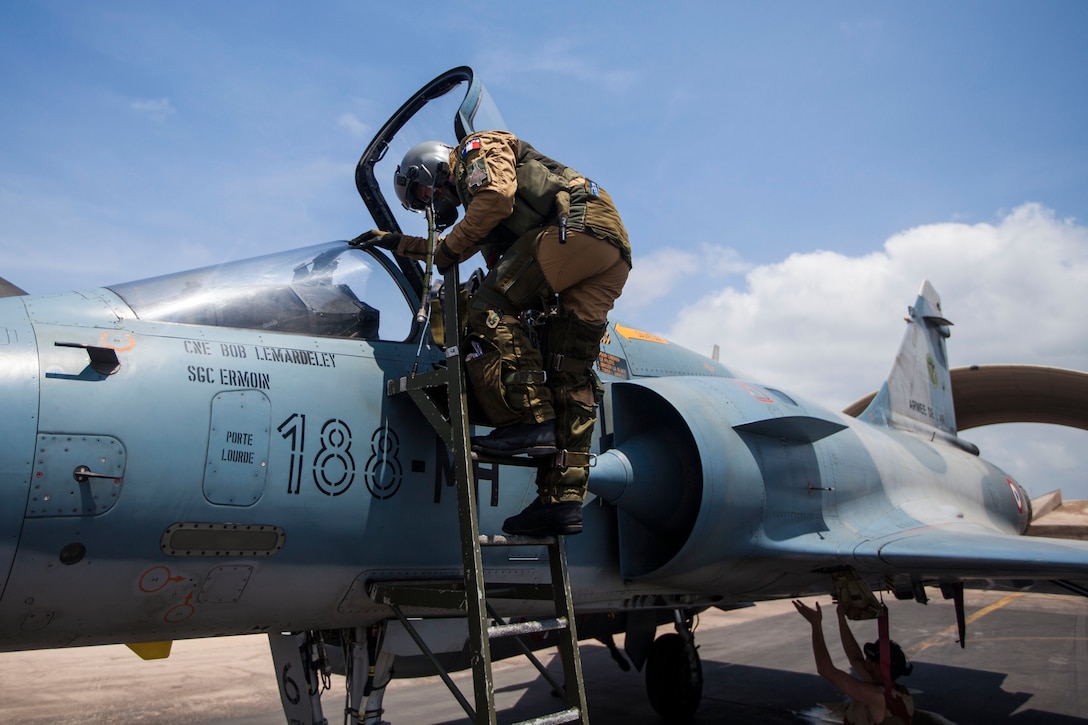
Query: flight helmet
column 426, row 164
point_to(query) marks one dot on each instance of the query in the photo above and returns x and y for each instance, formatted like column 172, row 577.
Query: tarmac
column 1026, row 661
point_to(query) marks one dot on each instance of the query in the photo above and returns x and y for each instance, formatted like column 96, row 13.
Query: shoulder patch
column 476, row 174
column 473, row 145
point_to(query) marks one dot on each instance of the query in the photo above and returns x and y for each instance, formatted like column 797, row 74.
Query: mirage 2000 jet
column 241, row 449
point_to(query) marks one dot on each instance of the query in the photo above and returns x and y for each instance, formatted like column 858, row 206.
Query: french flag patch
column 473, row 145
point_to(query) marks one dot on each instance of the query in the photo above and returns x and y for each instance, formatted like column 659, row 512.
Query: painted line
column 942, row 637
column 1029, row 639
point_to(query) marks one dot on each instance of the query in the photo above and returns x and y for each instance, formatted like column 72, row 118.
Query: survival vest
column 548, row 191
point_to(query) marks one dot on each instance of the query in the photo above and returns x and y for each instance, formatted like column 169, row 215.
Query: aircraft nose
column 18, row 425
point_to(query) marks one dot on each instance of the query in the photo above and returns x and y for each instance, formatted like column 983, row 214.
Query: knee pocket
column 486, row 370
column 576, row 420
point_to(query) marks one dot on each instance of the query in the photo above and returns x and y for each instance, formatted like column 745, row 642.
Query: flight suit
column 544, row 230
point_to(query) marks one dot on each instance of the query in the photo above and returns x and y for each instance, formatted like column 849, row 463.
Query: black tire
column 674, row 681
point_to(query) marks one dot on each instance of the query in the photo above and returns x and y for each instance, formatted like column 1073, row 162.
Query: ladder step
column 571, row 715
column 507, row 540
column 533, row 626
column 422, row 381
column 524, row 461
column 532, row 592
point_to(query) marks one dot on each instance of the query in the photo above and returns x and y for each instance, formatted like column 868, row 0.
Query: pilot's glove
column 376, row 238
column 444, row 258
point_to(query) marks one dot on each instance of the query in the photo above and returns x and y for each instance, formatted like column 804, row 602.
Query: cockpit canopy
column 329, row 290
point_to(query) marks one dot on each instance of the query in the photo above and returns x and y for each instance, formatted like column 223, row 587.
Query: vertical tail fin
column 918, row 392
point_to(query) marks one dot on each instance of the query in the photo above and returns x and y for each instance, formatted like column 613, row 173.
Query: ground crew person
column 868, row 704
column 544, row 230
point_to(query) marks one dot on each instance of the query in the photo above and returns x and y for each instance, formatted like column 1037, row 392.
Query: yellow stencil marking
column 632, row 334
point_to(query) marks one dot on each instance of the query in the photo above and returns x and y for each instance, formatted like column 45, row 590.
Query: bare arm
column 869, row 694
column 850, row 646
column 815, row 618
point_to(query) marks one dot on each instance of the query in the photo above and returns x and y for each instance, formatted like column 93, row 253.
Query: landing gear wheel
column 674, row 678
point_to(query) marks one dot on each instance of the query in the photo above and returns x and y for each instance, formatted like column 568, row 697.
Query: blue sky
column 789, row 172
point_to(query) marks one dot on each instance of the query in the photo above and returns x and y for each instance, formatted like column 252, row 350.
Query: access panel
column 75, row 475
column 237, row 462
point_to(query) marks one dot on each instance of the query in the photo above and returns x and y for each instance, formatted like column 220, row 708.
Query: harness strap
column 564, row 364
column 525, row 377
column 574, row 459
column 492, row 299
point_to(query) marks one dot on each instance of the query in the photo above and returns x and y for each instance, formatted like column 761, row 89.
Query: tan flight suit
column 515, row 199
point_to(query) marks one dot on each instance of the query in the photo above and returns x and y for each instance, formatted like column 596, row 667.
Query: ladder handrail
column 456, row 437
column 471, row 557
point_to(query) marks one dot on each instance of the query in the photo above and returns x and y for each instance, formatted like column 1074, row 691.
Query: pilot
column 544, row 231
column 867, row 705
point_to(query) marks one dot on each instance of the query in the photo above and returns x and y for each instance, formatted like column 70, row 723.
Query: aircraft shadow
column 738, row 693
column 942, row 694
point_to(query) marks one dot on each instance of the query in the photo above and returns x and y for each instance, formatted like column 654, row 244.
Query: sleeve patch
column 476, row 175
column 473, row 145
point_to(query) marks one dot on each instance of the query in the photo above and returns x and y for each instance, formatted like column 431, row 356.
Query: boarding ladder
column 442, row 397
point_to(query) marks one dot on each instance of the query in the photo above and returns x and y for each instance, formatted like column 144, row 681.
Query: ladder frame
column 453, row 427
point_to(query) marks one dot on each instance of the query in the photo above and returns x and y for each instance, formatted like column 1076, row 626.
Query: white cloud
column 667, row 271
column 1014, row 290
column 157, row 109
column 827, row 326
column 353, row 125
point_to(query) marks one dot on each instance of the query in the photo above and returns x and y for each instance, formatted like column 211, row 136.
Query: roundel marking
column 1016, row 495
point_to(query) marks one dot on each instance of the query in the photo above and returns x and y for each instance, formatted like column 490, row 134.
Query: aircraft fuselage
column 224, row 480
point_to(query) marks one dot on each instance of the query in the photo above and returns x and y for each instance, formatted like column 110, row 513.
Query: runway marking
column 942, row 637
column 1029, row 639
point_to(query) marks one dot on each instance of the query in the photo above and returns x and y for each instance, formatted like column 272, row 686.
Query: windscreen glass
column 328, row 289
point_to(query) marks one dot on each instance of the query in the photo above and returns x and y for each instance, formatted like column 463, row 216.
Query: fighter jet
column 220, row 451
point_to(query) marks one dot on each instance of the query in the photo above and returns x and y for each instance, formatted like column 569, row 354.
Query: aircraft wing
column 952, row 551
column 973, row 552
column 7, row 289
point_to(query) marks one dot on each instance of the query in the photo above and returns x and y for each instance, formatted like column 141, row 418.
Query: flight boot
column 540, row 518
column 533, row 439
